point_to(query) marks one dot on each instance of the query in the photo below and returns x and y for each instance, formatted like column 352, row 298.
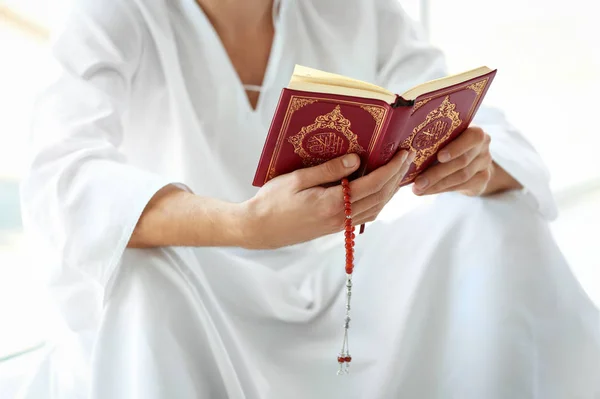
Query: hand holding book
column 465, row 165
column 321, row 116
column 296, row 207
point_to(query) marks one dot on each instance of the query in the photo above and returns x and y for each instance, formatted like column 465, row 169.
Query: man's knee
column 150, row 266
column 507, row 218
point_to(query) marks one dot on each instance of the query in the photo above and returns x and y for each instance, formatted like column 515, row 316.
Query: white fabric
column 459, row 297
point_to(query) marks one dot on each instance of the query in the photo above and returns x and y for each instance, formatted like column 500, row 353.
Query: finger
column 475, row 186
column 380, row 198
column 328, row 172
column 334, row 193
column 366, row 217
column 376, row 180
column 436, row 173
column 470, row 138
column 462, row 176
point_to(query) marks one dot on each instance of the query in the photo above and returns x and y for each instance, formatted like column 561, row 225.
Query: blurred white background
column 548, row 58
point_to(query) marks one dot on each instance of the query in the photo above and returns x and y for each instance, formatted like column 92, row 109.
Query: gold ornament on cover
column 376, row 112
column 325, row 139
column 433, row 132
column 298, row 103
column 478, row 87
column 419, row 104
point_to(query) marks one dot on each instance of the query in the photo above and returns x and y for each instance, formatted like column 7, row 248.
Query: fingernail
column 421, row 183
column 412, row 156
column 349, row 160
column 404, row 156
column 444, row 156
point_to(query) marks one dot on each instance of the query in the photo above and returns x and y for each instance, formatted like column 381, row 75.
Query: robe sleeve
column 80, row 197
column 406, row 59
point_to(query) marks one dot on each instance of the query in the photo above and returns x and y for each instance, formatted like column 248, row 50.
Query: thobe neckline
column 198, row 16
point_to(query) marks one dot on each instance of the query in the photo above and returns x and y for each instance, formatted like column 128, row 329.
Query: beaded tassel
column 344, row 357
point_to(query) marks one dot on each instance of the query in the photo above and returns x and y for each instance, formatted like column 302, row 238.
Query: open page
column 309, row 79
column 314, row 80
column 447, row 81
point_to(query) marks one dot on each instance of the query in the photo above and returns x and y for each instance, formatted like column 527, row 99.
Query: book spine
column 393, row 134
column 401, row 102
column 269, row 147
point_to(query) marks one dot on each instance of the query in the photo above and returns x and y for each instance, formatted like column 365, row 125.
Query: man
column 184, row 281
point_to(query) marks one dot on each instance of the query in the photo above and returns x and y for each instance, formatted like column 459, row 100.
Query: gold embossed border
column 478, row 87
column 305, row 100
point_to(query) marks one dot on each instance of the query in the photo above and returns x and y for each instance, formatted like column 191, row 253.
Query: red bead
column 348, row 359
column 349, row 230
column 341, row 359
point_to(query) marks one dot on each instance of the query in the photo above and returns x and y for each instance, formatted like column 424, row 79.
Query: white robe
column 456, row 297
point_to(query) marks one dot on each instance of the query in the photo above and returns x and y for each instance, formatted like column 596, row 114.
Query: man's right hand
column 294, row 208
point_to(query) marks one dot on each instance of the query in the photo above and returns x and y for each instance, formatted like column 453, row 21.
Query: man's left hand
column 465, row 166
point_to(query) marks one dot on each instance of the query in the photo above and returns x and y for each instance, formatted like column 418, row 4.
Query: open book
column 322, row 115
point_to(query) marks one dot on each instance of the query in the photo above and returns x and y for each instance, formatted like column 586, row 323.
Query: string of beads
column 344, row 357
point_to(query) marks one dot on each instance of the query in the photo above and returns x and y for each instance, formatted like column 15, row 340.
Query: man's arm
column 175, row 217
column 500, row 181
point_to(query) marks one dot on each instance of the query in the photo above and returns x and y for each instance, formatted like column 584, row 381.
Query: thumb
column 328, row 172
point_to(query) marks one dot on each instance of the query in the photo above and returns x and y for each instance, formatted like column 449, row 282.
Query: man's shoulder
column 116, row 15
column 89, row 31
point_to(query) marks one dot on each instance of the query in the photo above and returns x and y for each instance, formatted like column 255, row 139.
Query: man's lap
column 456, row 291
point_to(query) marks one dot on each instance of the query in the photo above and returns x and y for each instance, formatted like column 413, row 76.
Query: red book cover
column 310, row 128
